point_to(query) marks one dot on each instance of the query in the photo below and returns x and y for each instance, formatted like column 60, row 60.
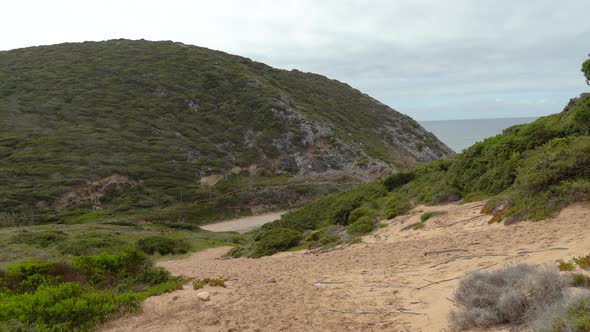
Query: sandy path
column 393, row 281
column 245, row 224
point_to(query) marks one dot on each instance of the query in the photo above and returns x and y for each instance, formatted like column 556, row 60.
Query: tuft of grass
column 426, row 216
column 583, row 261
column 214, row 282
column 565, row 266
column 580, row 280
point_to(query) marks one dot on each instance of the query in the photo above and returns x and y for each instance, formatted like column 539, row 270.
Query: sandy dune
column 245, row 224
column 394, row 281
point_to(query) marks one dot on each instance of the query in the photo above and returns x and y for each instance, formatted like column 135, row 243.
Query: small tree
column 586, row 70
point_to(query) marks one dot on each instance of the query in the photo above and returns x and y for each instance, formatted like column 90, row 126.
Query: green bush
column 362, row 225
column 397, row 180
column 163, row 245
column 62, row 297
column 363, row 211
column 565, row 266
column 275, row 240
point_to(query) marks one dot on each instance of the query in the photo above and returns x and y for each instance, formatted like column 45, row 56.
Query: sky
column 432, row 60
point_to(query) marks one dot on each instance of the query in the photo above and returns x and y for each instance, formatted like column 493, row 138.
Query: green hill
column 124, row 125
column 528, row 172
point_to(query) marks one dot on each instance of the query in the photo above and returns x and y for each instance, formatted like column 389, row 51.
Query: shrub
column 580, row 280
column 583, row 261
column 363, row 211
column 163, row 245
column 397, row 180
column 507, row 295
column 363, row 225
column 565, row 266
column 571, row 314
column 275, row 240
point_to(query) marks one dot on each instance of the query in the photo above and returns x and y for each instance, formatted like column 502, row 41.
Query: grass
column 214, row 282
column 580, row 280
column 565, row 266
column 583, row 261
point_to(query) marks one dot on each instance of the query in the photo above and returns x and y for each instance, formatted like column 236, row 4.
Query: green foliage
column 397, row 180
column 63, row 297
column 275, row 240
column 41, row 239
column 158, row 112
column 565, row 266
column 426, row 216
column 583, row 261
column 580, row 280
column 586, row 70
column 363, row 211
column 162, row 245
column 362, row 225
column 91, row 243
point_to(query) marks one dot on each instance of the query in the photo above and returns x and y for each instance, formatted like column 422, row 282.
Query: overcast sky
column 429, row 59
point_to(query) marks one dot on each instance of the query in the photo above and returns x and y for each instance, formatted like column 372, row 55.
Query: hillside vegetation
column 527, row 172
column 126, row 125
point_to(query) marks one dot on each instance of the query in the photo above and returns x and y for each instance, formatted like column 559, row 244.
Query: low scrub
column 509, row 295
column 41, row 239
column 61, row 296
column 275, row 240
column 163, row 245
column 362, row 225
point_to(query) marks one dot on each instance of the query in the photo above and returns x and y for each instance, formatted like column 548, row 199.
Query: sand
column 394, row 281
column 245, row 224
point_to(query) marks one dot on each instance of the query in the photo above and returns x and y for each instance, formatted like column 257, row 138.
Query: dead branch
column 375, row 312
column 458, row 222
column 467, row 257
column 522, row 252
column 443, row 251
column 437, row 282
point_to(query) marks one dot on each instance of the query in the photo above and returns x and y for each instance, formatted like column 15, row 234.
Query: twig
column 328, row 282
column 458, row 222
column 375, row 312
column 443, row 251
column 522, row 252
column 466, row 257
column 438, row 282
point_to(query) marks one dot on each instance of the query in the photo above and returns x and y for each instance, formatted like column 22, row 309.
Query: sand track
column 395, row 280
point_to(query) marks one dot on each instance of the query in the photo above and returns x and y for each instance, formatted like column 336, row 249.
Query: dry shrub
column 508, row 295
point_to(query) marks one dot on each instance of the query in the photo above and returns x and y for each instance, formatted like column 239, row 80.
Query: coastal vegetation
column 528, row 172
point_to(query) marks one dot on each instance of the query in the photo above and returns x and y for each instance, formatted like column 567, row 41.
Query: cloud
column 429, row 59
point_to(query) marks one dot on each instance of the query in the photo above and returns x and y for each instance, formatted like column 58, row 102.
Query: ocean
column 461, row 134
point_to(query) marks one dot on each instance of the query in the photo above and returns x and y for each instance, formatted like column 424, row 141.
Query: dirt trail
column 245, row 224
column 394, row 281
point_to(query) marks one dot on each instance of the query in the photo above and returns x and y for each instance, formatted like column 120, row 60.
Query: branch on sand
column 375, row 312
column 522, row 252
column 443, row 251
column 458, row 222
column 468, row 257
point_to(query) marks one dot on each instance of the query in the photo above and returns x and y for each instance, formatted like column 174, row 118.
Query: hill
column 124, row 125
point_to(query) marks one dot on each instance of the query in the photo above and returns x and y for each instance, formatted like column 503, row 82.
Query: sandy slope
column 245, row 224
column 393, row 281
